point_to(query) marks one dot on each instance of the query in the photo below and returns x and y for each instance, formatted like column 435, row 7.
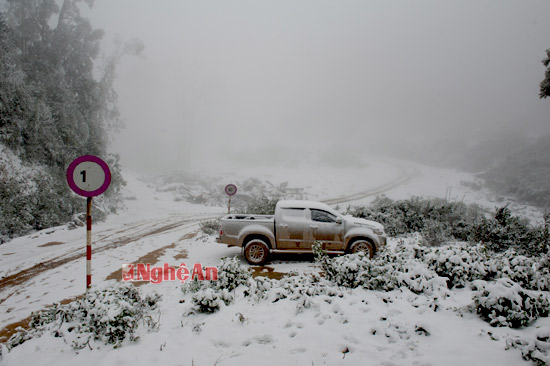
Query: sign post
column 230, row 190
column 88, row 176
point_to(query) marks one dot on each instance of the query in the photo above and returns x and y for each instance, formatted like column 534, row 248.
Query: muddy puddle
column 51, row 244
column 266, row 271
column 152, row 258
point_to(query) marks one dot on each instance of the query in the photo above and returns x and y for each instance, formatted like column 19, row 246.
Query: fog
column 279, row 82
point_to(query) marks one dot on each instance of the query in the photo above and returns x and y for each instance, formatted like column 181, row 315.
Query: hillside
column 524, row 174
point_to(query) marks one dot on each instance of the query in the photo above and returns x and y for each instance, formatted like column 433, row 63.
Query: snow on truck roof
column 303, row 204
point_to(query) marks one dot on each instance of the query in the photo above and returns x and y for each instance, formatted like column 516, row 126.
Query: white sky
column 274, row 80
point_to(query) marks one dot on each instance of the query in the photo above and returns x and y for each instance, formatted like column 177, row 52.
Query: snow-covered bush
column 209, row 227
column 208, row 300
column 207, row 295
column 261, row 205
column 534, row 348
column 505, row 303
column 109, row 316
column 532, row 273
column 231, row 274
column 390, row 269
column 437, row 220
column 295, row 287
column 505, row 231
column 460, row 264
column 235, row 280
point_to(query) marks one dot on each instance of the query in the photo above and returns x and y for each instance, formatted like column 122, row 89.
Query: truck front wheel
column 256, row 252
column 362, row 245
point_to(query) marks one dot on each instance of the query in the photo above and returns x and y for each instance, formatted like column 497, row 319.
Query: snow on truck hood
column 364, row 222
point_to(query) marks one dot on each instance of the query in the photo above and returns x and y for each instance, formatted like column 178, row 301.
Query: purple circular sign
column 88, row 176
column 231, row 189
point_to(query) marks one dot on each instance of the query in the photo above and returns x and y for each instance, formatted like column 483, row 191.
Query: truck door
column 326, row 230
column 291, row 228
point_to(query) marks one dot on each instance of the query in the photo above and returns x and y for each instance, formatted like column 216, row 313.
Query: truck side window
column 294, row 212
column 322, row 216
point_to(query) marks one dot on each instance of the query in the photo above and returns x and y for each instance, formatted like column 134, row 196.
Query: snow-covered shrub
column 505, row 303
column 260, row 205
column 298, row 286
column 534, row 348
column 33, row 198
column 208, row 294
column 208, row 300
column 390, row 269
column 505, row 231
column 235, row 280
column 109, row 315
column 437, row 220
column 231, row 274
column 460, row 264
column 532, row 273
column 209, row 227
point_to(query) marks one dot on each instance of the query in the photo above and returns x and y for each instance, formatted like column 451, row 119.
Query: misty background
column 223, row 86
column 264, row 82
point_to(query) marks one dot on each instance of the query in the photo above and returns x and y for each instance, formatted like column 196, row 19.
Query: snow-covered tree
column 55, row 105
column 545, row 84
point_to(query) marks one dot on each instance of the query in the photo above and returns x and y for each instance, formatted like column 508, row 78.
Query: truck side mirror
column 339, row 220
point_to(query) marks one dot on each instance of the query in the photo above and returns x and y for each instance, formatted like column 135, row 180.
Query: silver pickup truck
column 294, row 228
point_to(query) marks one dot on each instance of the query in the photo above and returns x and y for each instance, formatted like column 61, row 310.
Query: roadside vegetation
column 439, row 221
column 506, row 289
column 109, row 316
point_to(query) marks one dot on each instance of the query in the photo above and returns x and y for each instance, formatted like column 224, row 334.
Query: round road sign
column 88, row 176
column 231, row 189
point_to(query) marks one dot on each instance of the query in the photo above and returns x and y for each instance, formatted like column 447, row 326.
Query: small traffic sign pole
column 88, row 176
column 230, row 190
column 88, row 242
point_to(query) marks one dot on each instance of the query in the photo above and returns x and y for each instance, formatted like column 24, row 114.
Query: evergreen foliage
column 439, row 221
column 545, row 84
column 110, row 316
column 260, row 205
column 209, row 227
column 524, row 173
column 508, row 288
column 55, row 105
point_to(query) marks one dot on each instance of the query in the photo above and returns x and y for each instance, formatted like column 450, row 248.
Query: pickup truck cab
column 294, row 228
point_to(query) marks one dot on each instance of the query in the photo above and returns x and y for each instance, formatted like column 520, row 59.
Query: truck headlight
column 378, row 231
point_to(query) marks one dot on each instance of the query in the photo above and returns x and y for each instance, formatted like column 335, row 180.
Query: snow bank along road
column 47, row 267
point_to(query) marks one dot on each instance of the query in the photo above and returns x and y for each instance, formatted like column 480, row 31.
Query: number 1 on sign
column 83, row 174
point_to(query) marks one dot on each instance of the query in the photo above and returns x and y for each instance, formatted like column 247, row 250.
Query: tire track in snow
column 154, row 228
column 407, row 174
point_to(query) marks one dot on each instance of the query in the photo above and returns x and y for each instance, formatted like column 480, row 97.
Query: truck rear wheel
column 256, row 252
column 362, row 245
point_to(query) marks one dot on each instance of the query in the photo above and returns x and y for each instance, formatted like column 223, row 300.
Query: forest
column 57, row 102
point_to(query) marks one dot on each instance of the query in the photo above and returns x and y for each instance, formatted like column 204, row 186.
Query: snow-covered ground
column 358, row 328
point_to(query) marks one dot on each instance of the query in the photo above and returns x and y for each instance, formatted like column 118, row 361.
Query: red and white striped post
column 88, row 243
column 88, row 176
